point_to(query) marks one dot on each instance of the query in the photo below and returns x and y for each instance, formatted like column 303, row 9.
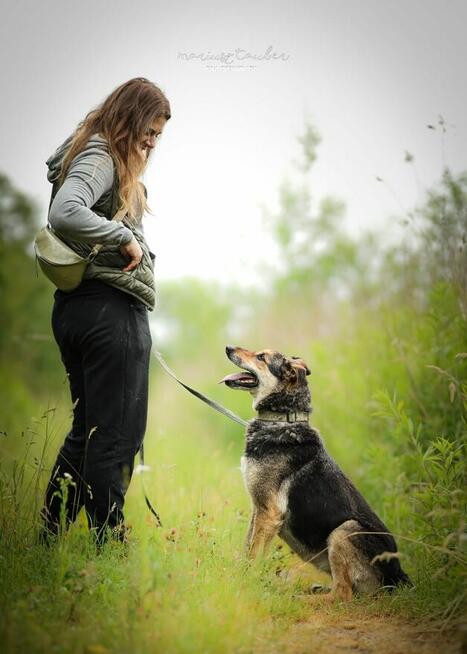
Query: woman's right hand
column 132, row 251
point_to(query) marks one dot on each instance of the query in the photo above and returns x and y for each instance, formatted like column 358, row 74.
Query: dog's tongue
column 237, row 376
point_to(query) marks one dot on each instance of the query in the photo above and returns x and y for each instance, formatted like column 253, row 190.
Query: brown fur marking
column 350, row 570
column 264, row 525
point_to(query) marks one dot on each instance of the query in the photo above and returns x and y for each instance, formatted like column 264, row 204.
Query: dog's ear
column 288, row 369
column 296, row 370
column 298, row 362
column 281, row 366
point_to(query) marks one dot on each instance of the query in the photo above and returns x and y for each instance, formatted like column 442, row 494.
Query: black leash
column 200, row 396
column 214, row 405
column 148, row 503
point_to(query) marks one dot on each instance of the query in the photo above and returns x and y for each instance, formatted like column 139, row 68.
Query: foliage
column 28, row 356
column 383, row 328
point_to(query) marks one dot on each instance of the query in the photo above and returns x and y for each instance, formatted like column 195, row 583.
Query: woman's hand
column 132, row 251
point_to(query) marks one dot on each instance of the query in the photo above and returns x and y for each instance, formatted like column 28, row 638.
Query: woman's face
column 149, row 139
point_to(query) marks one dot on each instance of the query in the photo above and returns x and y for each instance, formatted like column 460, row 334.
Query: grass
column 181, row 588
column 184, row 587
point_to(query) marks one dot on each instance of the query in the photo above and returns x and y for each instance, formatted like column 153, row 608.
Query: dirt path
column 347, row 633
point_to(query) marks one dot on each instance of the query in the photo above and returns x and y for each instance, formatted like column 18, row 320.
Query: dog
column 298, row 491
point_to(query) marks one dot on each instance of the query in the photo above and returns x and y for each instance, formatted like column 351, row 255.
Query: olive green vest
column 109, row 262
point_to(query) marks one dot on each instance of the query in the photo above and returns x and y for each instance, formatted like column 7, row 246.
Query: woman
column 101, row 327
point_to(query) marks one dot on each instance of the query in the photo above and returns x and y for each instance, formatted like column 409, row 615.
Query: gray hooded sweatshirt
column 81, row 214
column 89, row 178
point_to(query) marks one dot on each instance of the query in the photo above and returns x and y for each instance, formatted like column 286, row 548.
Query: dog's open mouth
column 240, row 380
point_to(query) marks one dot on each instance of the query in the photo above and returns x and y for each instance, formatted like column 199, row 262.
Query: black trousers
column 104, row 340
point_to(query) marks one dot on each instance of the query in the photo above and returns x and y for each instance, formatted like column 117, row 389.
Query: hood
column 96, row 144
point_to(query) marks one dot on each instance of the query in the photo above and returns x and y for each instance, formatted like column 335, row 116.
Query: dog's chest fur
column 267, row 481
column 274, row 452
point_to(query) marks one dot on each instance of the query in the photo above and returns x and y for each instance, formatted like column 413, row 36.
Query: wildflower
column 142, row 468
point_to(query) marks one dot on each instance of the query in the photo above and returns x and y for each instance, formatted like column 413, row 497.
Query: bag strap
column 94, row 252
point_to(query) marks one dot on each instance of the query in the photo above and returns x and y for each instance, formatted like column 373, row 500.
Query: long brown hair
column 122, row 119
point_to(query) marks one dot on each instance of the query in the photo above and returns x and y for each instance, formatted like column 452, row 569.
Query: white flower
column 140, row 468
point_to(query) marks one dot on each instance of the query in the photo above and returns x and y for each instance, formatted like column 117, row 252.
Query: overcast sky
column 371, row 75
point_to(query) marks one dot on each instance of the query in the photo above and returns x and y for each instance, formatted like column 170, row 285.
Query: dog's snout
column 229, row 349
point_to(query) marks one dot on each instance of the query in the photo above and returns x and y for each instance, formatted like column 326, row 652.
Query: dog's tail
column 383, row 549
column 394, row 576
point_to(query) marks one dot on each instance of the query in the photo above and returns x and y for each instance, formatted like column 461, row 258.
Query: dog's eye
column 260, row 357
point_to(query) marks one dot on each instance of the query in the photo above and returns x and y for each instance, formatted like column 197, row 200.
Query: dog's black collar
column 286, row 416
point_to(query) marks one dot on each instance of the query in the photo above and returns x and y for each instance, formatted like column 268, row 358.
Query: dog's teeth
column 243, row 377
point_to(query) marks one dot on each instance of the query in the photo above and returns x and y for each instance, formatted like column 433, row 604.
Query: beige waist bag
column 60, row 264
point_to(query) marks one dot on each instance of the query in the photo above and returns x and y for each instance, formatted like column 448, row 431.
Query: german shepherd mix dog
column 297, row 490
